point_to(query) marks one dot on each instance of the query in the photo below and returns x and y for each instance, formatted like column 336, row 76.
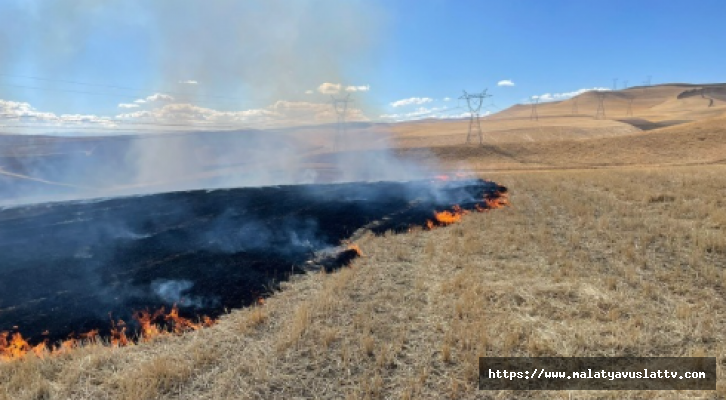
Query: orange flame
column 13, row 347
column 497, row 201
column 118, row 334
column 450, row 217
column 16, row 347
column 500, row 199
column 354, row 247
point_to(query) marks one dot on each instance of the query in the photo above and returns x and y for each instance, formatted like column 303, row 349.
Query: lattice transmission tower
column 474, row 102
column 629, row 111
column 600, row 114
column 341, row 108
column 646, row 83
column 533, row 115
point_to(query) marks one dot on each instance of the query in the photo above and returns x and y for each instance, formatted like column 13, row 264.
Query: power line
column 474, row 102
column 114, row 87
column 120, row 95
column 434, row 112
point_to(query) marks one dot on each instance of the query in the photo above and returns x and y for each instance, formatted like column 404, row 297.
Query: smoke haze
column 234, row 67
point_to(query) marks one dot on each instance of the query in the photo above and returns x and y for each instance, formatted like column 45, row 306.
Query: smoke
column 254, row 50
column 172, row 291
column 252, row 63
column 285, row 236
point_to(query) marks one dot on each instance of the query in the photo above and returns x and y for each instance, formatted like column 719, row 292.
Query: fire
column 118, row 334
column 499, row 199
column 181, row 324
column 450, row 217
column 16, row 347
column 354, row 247
column 158, row 323
column 149, row 329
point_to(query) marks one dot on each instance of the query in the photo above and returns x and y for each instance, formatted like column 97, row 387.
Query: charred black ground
column 65, row 266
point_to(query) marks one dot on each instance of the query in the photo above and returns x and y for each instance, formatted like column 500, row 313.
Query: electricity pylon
column 341, row 108
column 646, row 83
column 534, row 115
column 474, row 102
column 629, row 111
column 600, row 106
column 625, row 84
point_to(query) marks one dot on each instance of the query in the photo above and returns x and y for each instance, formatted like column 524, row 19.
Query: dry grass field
column 613, row 246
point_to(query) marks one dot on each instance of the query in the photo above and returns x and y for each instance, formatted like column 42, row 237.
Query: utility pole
column 600, row 106
column 474, row 102
column 534, row 115
column 341, row 108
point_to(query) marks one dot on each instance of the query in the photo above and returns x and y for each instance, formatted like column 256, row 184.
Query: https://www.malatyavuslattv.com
column 598, row 373
column 601, row 374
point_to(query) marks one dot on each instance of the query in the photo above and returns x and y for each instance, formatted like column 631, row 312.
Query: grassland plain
column 584, row 263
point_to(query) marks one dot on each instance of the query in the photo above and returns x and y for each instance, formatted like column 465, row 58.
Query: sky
column 222, row 63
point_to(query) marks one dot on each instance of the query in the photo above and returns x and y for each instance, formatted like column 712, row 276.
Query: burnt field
column 72, row 267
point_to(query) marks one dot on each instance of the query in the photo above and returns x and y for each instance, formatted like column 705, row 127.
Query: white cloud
column 156, row 97
column 160, row 97
column 447, row 98
column 309, row 92
column 411, row 101
column 189, row 82
column 505, row 82
column 565, row 95
column 128, row 105
column 334, row 88
column 14, row 112
column 365, row 88
column 329, row 88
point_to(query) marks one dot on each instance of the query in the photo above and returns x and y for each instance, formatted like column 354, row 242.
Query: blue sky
column 246, row 57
